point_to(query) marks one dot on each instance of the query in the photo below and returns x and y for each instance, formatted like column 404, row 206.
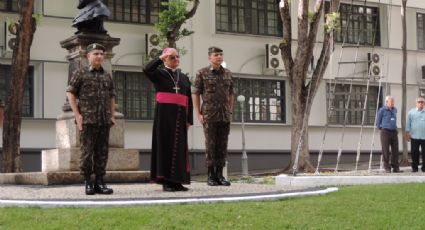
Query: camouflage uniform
column 215, row 87
column 94, row 90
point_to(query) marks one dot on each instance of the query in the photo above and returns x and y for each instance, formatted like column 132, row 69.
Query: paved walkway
column 144, row 194
column 147, row 193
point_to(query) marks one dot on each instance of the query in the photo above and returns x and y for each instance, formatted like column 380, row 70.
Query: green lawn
column 398, row 206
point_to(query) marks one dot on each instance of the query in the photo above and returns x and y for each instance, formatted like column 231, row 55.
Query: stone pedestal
column 61, row 165
column 70, row 177
column 66, row 156
column 64, row 160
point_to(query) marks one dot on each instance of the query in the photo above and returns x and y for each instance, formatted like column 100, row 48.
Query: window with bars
column 339, row 98
column 421, row 30
column 135, row 95
column 359, row 24
column 259, row 17
column 9, row 5
column 28, row 102
column 134, row 11
column 264, row 100
column 421, row 92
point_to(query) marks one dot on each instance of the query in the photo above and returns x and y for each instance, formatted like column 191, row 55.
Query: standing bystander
column 386, row 121
column 415, row 133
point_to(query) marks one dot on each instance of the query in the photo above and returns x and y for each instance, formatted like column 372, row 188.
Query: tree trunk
column 171, row 41
column 302, row 94
column 404, row 159
column 1, row 113
column 299, row 132
column 13, row 110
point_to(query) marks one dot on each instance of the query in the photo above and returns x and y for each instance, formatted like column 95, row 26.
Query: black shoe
column 89, row 187
column 423, row 169
column 167, row 187
column 100, row 187
column 397, row 170
column 222, row 181
column 212, row 177
column 180, row 188
column 415, row 170
column 220, row 178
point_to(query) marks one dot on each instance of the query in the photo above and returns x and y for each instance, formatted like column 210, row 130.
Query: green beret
column 95, row 46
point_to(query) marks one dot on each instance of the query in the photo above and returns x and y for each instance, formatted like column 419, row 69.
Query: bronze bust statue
column 91, row 16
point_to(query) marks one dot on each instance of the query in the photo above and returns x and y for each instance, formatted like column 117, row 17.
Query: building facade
column 242, row 29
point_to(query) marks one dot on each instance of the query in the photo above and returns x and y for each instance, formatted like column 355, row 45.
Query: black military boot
column 212, row 177
column 100, row 186
column 89, row 185
column 220, row 178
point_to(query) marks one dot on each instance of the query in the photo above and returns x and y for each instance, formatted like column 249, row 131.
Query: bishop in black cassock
column 173, row 116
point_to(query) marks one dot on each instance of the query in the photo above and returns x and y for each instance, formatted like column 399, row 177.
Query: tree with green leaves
column 296, row 66
column 172, row 18
column 24, row 30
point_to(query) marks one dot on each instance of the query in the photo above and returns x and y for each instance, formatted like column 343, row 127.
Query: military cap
column 95, row 46
column 214, row 49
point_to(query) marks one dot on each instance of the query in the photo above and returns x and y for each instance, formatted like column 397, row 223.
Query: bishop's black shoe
column 220, row 178
column 100, row 187
column 168, row 187
column 89, row 187
column 180, row 188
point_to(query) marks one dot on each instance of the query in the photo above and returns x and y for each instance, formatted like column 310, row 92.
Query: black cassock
column 170, row 156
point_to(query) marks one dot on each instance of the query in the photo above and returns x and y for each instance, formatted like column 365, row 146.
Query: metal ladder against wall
column 369, row 77
column 342, row 80
column 379, row 93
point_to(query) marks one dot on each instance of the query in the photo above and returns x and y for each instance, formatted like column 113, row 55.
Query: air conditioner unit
column 10, row 36
column 274, row 57
column 375, row 67
column 152, row 46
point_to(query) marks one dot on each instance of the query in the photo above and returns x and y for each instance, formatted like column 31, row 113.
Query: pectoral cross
column 176, row 88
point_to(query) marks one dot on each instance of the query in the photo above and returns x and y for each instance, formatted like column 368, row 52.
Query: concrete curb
column 338, row 180
column 195, row 200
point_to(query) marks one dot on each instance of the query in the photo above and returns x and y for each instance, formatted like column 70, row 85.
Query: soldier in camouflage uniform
column 94, row 115
column 214, row 83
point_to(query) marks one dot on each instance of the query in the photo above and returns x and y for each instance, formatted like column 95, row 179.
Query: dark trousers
column 216, row 138
column 415, row 144
column 94, row 142
column 389, row 139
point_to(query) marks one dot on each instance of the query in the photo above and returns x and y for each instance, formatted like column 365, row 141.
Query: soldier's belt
column 172, row 98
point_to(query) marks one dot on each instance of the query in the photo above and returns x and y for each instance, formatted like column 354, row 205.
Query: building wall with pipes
column 245, row 56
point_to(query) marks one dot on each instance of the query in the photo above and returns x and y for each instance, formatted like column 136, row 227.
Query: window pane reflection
column 263, row 100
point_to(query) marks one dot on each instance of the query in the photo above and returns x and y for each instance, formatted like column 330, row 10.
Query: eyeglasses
column 173, row 57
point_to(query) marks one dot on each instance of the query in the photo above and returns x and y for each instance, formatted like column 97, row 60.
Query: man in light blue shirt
column 386, row 121
column 415, row 133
